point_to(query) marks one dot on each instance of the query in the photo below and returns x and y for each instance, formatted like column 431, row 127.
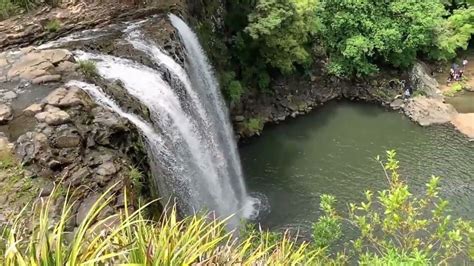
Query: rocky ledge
column 72, row 16
column 60, row 136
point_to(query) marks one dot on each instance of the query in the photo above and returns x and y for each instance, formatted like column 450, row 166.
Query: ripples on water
column 332, row 151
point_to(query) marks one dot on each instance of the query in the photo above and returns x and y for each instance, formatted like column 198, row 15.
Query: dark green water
column 463, row 102
column 332, row 151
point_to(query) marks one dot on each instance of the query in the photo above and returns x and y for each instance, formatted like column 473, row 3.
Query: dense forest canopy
column 353, row 37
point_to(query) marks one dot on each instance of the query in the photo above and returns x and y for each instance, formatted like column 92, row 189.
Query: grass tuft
column 53, row 25
column 88, row 68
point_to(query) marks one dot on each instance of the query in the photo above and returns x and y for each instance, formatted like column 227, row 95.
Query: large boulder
column 68, row 97
column 423, row 81
column 427, row 111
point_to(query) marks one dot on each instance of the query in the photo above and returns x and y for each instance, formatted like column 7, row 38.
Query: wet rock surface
column 75, row 16
column 428, row 111
column 465, row 124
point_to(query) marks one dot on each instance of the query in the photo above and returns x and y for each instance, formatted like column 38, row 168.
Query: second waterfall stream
column 190, row 141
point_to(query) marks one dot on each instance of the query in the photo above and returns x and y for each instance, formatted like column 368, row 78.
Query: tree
column 360, row 35
column 453, row 34
column 283, row 30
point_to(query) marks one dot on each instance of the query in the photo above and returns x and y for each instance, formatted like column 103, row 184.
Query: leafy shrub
column 254, row 125
column 13, row 7
column 136, row 178
column 235, row 91
column 26, row 4
column 328, row 228
column 283, row 29
column 397, row 227
column 233, row 88
column 360, row 36
column 453, row 34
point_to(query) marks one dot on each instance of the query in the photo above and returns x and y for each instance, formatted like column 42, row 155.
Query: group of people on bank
column 456, row 73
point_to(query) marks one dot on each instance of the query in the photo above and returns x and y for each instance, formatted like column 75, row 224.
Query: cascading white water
column 207, row 87
column 195, row 159
column 100, row 97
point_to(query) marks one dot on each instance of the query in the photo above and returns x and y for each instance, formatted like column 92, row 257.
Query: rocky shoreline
column 293, row 97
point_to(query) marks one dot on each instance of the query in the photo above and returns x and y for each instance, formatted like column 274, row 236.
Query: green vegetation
column 253, row 126
column 7, row 9
column 454, row 33
column 88, row 68
column 269, row 38
column 360, row 36
column 53, row 25
column 456, row 87
column 136, row 178
column 233, row 87
column 282, row 30
column 12, row 7
column 139, row 241
column 394, row 228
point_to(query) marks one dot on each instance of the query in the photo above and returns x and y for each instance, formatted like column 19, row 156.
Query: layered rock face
column 75, row 144
column 59, row 135
column 71, row 16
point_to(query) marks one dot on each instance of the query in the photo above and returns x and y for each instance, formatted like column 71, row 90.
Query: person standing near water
column 407, row 90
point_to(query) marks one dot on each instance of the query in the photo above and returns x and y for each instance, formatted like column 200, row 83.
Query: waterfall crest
column 190, row 143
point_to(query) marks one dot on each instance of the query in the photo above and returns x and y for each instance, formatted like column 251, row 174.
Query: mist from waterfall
column 191, row 146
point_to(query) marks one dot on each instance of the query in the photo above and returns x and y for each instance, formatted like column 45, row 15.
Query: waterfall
column 190, row 143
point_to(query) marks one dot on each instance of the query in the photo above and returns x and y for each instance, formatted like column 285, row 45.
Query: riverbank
column 296, row 96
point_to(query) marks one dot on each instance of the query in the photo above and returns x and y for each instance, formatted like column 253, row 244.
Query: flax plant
column 135, row 240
